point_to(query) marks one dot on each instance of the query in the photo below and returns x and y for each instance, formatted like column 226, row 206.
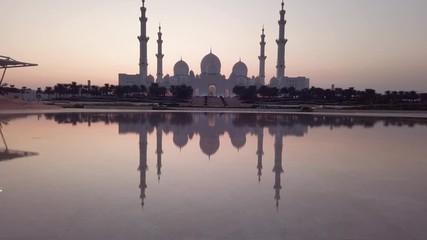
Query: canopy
column 8, row 62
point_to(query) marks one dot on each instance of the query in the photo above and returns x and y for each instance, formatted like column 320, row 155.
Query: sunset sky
column 380, row 44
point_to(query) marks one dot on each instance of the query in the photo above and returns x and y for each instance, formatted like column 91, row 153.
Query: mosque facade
column 210, row 81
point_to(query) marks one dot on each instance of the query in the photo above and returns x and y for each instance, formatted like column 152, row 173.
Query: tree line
column 327, row 96
column 74, row 90
column 313, row 95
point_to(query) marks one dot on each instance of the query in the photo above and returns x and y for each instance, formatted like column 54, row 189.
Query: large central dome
column 210, row 64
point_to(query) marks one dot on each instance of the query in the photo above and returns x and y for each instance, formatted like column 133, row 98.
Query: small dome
column 207, row 61
column 240, row 69
column 150, row 79
column 181, row 68
column 274, row 82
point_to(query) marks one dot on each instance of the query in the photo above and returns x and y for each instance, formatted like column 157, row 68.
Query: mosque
column 210, row 81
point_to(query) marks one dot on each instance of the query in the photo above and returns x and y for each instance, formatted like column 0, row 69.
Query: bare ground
column 18, row 104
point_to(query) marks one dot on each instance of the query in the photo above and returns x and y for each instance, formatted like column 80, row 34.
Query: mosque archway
column 212, row 91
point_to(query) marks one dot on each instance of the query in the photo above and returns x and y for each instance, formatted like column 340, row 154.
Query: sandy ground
column 18, row 104
column 8, row 105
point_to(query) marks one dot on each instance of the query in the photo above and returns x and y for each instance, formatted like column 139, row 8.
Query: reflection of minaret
column 278, row 170
column 143, row 39
column 159, row 151
column 143, row 167
column 260, row 151
column 281, row 42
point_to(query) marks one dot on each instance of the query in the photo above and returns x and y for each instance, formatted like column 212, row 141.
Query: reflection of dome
column 209, row 144
column 180, row 139
column 181, row 68
column 240, row 69
column 238, row 139
column 210, row 62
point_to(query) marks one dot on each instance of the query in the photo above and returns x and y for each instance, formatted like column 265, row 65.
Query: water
column 212, row 176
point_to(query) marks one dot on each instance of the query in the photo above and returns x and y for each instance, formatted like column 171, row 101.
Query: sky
column 380, row 44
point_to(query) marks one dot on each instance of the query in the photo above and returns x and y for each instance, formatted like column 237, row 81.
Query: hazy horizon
column 362, row 44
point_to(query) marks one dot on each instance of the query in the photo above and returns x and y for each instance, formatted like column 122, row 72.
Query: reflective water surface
column 212, row 176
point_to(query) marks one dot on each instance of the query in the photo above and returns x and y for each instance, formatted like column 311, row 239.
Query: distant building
column 210, row 81
column 298, row 83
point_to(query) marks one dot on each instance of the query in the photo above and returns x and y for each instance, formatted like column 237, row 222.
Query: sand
column 18, row 104
column 8, row 105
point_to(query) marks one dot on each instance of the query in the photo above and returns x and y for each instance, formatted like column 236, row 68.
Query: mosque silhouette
column 210, row 81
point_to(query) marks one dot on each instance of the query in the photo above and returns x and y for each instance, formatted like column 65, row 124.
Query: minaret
column 281, row 42
column 143, row 39
column 159, row 56
column 262, row 58
column 277, row 169
column 143, row 167
column 159, row 151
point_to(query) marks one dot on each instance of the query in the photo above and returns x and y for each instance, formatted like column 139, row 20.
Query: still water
column 212, row 176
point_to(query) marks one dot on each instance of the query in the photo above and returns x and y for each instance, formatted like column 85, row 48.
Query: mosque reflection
column 210, row 126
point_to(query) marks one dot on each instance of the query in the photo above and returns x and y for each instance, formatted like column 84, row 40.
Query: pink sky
column 363, row 44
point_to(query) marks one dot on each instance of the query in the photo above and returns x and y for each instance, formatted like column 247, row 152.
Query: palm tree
column 238, row 91
column 74, row 89
column 143, row 89
column 156, row 91
column 38, row 93
column 23, row 89
column 181, row 91
column 105, row 90
column 134, row 89
column 60, row 89
column 48, row 91
column 292, row 92
column 284, row 91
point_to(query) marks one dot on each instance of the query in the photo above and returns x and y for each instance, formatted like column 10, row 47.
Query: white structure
column 141, row 78
column 210, row 81
column 159, row 55
column 281, row 43
column 262, row 58
column 281, row 81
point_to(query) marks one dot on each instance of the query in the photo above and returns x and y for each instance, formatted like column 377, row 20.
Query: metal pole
column 4, row 140
column 2, row 77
